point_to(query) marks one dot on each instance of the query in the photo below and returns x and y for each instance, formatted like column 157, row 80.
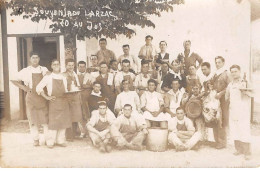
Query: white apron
column 154, row 105
column 240, row 114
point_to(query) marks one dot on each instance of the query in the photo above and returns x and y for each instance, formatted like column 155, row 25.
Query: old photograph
column 129, row 83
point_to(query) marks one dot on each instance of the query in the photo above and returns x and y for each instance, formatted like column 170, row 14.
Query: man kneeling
column 99, row 127
column 129, row 129
column 182, row 132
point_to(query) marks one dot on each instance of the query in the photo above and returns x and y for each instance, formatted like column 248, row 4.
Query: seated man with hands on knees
column 152, row 105
column 99, row 127
column 129, row 130
column 182, row 132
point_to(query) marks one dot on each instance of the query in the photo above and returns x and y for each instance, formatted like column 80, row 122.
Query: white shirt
column 88, row 78
column 95, row 117
column 152, row 100
column 25, row 74
column 204, row 78
column 134, row 62
column 141, row 81
column 130, row 97
column 120, row 77
column 47, row 82
column 172, row 124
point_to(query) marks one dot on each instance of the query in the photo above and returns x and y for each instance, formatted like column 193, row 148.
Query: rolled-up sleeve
column 189, row 125
column 172, row 125
column 43, row 83
column 93, row 120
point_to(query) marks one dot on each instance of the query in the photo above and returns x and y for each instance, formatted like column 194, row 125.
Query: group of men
column 121, row 98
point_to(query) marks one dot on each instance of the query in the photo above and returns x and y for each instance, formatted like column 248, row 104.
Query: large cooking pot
column 157, row 139
column 193, row 108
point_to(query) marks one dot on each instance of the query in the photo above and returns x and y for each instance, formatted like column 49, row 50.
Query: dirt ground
column 17, row 151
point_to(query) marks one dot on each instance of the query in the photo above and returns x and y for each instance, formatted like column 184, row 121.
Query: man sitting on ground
column 129, row 130
column 99, row 127
column 182, row 132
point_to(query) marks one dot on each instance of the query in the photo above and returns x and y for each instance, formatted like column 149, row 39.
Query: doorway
column 48, row 49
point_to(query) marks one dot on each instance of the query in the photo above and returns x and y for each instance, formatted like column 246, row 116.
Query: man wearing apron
column 220, row 82
column 173, row 98
column 59, row 115
column 74, row 98
column 142, row 78
column 129, row 130
column 36, row 105
column 182, row 132
column 152, row 106
column 240, row 114
column 127, row 97
column 99, row 127
column 107, row 85
column 84, row 96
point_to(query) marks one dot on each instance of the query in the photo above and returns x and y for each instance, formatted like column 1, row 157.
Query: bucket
column 157, row 139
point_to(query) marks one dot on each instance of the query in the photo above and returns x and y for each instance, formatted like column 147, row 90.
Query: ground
column 17, row 151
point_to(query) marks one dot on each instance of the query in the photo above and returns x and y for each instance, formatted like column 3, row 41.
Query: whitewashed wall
column 1, row 61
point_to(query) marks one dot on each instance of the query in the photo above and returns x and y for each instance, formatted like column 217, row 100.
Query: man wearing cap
column 104, row 54
column 99, row 127
column 182, row 133
column 189, row 58
column 129, row 130
column 36, row 105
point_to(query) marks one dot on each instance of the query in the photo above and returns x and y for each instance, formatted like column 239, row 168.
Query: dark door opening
column 48, row 49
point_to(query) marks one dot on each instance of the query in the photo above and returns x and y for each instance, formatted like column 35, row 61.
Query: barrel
column 157, row 139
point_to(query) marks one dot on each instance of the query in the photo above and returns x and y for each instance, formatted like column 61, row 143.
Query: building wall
column 1, row 61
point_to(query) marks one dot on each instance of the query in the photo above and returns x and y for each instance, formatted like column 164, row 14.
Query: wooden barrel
column 157, row 139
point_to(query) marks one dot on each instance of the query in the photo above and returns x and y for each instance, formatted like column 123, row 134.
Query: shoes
column 62, row 145
column 220, row 146
column 36, row 143
column 237, row 153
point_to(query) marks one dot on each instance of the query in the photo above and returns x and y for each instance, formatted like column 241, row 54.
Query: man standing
column 74, row 98
column 240, row 114
column 182, row 132
column 99, row 127
column 107, row 85
column 36, row 105
column 163, row 56
column 188, row 58
column 125, row 74
column 220, row 82
column 152, row 106
column 104, row 54
column 134, row 62
column 207, row 75
column 129, row 129
column 148, row 51
column 84, row 97
column 127, row 97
